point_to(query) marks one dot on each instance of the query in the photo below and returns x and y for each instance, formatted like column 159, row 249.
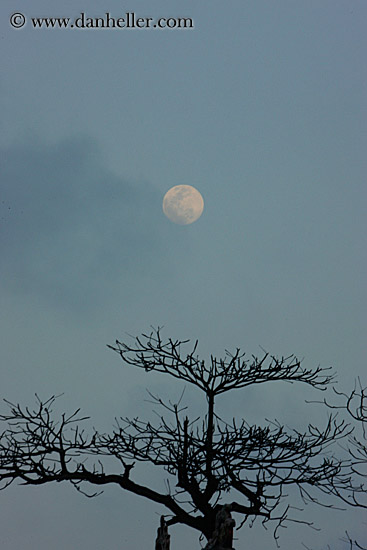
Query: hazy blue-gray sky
column 261, row 107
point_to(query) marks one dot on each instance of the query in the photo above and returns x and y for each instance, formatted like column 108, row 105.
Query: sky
column 262, row 107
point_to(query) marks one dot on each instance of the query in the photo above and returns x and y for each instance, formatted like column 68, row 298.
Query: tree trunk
column 222, row 538
column 162, row 541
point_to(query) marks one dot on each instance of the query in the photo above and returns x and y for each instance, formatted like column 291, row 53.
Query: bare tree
column 355, row 405
column 210, row 459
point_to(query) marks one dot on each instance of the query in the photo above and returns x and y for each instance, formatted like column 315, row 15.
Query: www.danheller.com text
column 128, row 20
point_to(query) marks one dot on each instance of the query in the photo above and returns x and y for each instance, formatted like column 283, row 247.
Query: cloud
column 71, row 228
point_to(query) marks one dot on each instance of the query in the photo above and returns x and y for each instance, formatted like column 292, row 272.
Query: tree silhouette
column 211, row 460
column 355, row 404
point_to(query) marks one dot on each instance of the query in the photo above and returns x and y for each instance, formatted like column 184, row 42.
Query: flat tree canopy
column 214, row 464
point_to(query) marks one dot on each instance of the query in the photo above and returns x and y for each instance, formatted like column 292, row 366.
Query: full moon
column 183, row 204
